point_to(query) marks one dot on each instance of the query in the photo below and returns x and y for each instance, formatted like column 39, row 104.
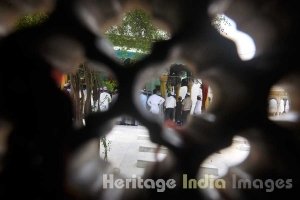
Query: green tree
column 136, row 32
column 218, row 21
column 31, row 20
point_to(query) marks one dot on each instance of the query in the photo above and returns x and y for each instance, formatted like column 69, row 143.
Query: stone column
column 285, row 102
column 163, row 85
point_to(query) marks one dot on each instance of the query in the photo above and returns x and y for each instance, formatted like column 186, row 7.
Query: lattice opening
column 283, row 98
column 129, row 150
column 244, row 43
column 217, row 164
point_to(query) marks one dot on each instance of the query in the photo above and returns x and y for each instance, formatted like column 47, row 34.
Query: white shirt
column 105, row 99
column 143, row 99
column 287, row 106
column 197, row 110
column 154, row 102
column 170, row 102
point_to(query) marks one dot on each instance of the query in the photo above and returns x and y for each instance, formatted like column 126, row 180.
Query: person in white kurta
column 273, row 107
column 198, row 106
column 104, row 100
column 143, row 99
column 287, row 106
column 155, row 101
column 170, row 105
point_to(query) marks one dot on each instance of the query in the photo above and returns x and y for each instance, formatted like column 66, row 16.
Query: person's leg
column 177, row 116
column 168, row 113
column 185, row 116
column 179, row 119
column 172, row 110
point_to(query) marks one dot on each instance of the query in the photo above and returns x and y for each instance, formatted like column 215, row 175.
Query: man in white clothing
column 272, row 107
column 197, row 110
column 155, row 101
column 170, row 105
column 287, row 106
column 186, row 107
column 143, row 98
column 104, row 100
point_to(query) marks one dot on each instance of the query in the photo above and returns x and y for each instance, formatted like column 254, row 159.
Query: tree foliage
column 219, row 21
column 135, row 32
column 111, row 85
column 31, row 20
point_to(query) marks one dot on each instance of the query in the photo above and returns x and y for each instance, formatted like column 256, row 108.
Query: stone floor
column 131, row 151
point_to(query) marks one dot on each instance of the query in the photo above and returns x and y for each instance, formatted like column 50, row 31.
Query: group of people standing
column 101, row 100
column 170, row 109
column 278, row 106
column 166, row 108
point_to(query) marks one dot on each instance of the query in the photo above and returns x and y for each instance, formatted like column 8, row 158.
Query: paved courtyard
column 131, row 151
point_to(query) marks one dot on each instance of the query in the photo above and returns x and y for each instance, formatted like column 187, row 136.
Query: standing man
column 186, row 107
column 178, row 111
column 155, row 101
column 170, row 107
column 143, row 98
column 198, row 106
column 67, row 88
column 104, row 99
